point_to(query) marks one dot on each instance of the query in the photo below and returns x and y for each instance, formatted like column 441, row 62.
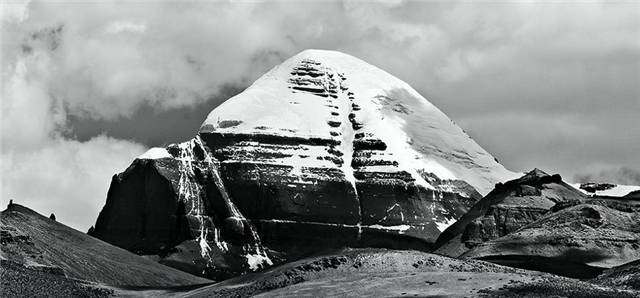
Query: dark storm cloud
column 548, row 85
column 151, row 126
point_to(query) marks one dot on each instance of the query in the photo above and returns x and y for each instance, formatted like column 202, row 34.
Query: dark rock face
column 509, row 207
column 281, row 191
column 141, row 213
column 181, row 208
column 180, row 200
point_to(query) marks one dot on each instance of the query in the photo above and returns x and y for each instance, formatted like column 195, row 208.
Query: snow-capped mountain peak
column 328, row 95
column 323, row 144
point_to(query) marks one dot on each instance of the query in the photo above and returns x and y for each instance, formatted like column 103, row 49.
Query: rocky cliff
column 323, row 151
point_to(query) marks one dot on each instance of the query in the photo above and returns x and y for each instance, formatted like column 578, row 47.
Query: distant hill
column 599, row 232
column 509, row 207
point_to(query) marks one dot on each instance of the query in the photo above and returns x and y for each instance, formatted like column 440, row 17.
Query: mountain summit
column 335, row 97
column 322, row 151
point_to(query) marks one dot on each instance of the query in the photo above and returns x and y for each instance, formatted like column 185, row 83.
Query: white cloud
column 66, row 177
column 622, row 175
column 40, row 168
column 113, row 57
column 542, row 63
column 126, row 27
column 14, row 11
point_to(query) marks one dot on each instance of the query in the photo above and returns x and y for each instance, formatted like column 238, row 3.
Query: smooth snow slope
column 417, row 133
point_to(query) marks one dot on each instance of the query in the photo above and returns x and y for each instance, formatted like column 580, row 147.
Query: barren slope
column 35, row 241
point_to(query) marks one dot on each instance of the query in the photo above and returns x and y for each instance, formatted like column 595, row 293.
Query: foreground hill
column 389, row 273
column 17, row 280
column 33, row 243
column 623, row 276
column 41, row 257
column 324, row 150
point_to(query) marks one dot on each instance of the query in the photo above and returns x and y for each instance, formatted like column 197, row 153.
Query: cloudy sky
column 88, row 86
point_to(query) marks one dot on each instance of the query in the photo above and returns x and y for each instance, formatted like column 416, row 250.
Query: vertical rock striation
column 177, row 197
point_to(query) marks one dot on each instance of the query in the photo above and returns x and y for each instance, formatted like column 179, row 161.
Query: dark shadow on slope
column 556, row 265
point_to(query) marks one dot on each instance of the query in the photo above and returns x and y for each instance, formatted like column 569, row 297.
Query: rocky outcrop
column 509, row 207
column 602, row 233
column 324, row 151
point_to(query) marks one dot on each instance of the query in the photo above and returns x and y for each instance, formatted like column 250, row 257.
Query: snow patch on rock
column 615, row 191
column 444, row 225
column 155, row 153
column 399, row 228
column 258, row 261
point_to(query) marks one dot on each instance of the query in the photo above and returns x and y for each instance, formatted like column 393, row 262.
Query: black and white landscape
column 324, row 175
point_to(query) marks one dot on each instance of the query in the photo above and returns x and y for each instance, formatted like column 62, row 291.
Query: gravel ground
column 19, row 281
